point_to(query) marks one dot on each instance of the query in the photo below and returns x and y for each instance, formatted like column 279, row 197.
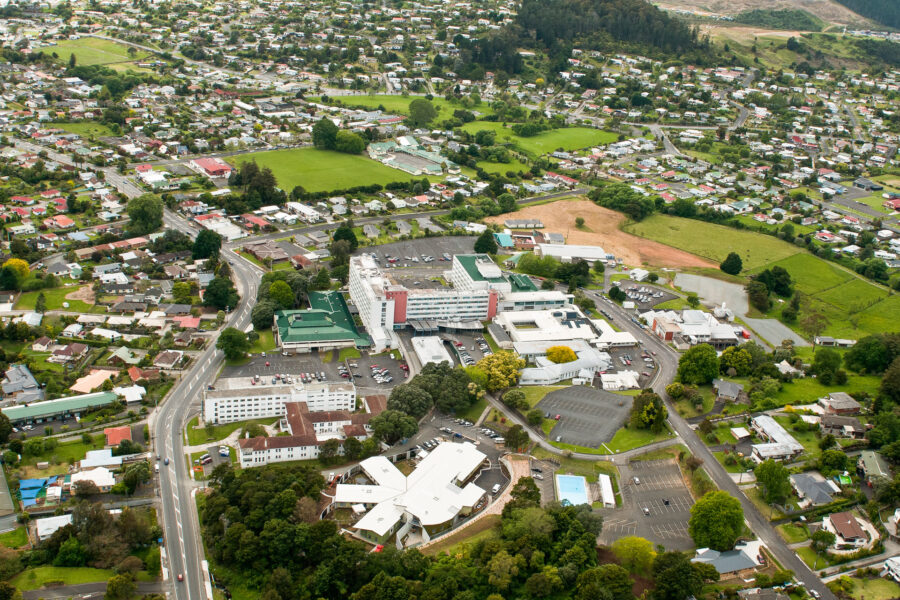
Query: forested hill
column 886, row 12
column 561, row 22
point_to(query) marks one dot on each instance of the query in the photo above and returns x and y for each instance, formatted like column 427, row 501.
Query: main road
column 184, row 549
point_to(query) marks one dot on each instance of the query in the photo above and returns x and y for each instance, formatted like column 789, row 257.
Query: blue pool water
column 572, row 489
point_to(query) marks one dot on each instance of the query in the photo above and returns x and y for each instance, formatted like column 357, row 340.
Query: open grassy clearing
column 195, row 437
column 474, row 411
column 874, row 589
column 85, row 128
column 713, row 241
column 513, row 165
column 456, row 543
column 265, row 343
column 792, row 533
column 569, row 138
column 321, row 170
column 37, row 577
column 94, row 51
column 16, row 538
column 54, row 298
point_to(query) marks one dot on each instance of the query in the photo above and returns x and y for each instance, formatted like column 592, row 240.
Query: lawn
column 792, row 533
column 808, row 390
column 713, row 241
column 196, row 437
column 474, row 411
column 456, row 543
column 321, row 170
column 513, row 165
column 265, row 343
column 348, row 353
column 628, row 438
column 86, row 129
column 812, row 275
column 874, row 589
column 93, row 51
column 68, row 452
column 37, row 577
column 813, row 560
column 16, row 538
column 54, row 298
column 720, row 456
column 536, row 393
column 807, row 439
column 569, row 138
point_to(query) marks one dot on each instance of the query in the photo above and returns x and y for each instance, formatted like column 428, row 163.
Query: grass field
column 455, row 543
column 399, row 105
column 85, row 128
column 321, row 170
column 67, row 452
column 54, row 298
column 16, row 538
column 474, row 411
column 265, row 343
column 37, row 577
column 874, row 589
column 570, row 138
column 793, row 534
column 513, row 165
column 93, row 51
column 713, row 241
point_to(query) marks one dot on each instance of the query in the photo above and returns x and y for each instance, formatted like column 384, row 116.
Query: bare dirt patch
column 827, row 10
column 84, row 293
column 559, row 217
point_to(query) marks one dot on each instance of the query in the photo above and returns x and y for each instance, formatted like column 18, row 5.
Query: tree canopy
column 732, row 264
column 717, row 521
column 145, row 214
column 233, row 343
column 699, row 365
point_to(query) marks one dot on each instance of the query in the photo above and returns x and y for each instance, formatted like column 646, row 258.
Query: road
column 84, row 590
column 179, row 516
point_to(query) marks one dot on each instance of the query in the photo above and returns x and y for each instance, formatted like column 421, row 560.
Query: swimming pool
column 571, row 489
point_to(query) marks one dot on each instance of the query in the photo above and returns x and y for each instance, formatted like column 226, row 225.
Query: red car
column 267, row 363
column 180, row 577
column 557, row 417
column 378, row 548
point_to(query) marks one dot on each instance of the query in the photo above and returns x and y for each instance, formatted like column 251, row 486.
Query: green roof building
column 62, row 408
column 326, row 325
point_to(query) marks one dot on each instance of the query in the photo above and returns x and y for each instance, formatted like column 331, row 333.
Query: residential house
column 68, row 353
column 741, row 562
column 42, row 344
column 848, row 531
column 20, row 386
column 812, row 489
column 169, row 359
column 843, row 427
column 728, row 391
column 872, row 467
column 839, row 403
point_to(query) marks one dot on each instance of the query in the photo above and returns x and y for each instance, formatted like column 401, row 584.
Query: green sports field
column 94, row 51
column 321, row 170
column 713, row 241
column 569, row 138
column 85, row 128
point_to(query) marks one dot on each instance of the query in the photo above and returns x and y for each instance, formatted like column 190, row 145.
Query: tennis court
column 571, row 490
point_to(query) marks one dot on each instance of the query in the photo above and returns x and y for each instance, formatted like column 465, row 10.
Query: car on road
column 166, row 461
column 646, row 511
column 636, row 480
column 557, row 417
column 180, row 577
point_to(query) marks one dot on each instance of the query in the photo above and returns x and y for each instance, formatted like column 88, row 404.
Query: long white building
column 480, row 290
column 236, row 399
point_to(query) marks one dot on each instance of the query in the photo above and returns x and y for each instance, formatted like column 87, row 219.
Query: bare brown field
column 604, row 226
column 827, row 10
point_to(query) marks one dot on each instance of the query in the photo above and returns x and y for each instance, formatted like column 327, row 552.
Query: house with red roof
column 211, row 167
column 59, row 222
column 117, row 435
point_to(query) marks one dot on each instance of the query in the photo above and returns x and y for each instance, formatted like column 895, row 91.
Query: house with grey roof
column 872, row 466
column 813, row 489
column 19, row 385
column 746, row 558
column 728, row 391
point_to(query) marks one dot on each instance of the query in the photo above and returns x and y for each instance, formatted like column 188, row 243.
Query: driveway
column 713, row 291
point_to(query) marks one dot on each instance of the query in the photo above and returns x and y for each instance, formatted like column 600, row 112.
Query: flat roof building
column 571, row 253
column 326, row 325
column 49, row 410
column 237, row 399
column 780, row 446
column 431, row 349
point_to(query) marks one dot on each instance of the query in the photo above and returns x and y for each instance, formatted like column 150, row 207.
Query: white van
column 495, row 489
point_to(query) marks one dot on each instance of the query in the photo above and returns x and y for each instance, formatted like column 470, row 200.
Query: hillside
column 886, row 12
column 828, row 11
column 798, row 20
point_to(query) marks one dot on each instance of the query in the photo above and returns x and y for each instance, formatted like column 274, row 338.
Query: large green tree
column 410, row 399
column 774, row 478
column 732, row 264
column 421, row 112
column 220, row 293
column 486, row 244
column 281, row 294
column 345, row 232
column 717, row 521
column 206, row 245
column 145, row 214
column 699, row 365
column 233, row 343
column 391, row 426
column 325, row 134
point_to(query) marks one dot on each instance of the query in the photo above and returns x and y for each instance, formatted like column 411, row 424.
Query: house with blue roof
column 504, row 240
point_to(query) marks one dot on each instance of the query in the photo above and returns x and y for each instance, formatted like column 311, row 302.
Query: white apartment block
column 237, row 399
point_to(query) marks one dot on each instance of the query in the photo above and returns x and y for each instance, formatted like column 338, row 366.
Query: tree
column 120, row 587
column 814, row 324
column 515, row 399
column 40, row 304
column 598, row 582
column 281, row 294
column 516, row 438
column 421, row 112
column 233, row 343
column 502, row 369
column 507, row 203
column 774, row 478
column 263, row 314
column 716, row 522
column 345, row 232
column 181, row 292
column 71, row 554
column 207, row 244
column 890, row 382
column 392, row 425
column 329, row 450
column 732, row 264
column 736, row 358
column 410, row 399
column 699, row 365
column 821, row 540
column 579, row 222
column 648, row 412
column 561, row 354
column 826, row 362
column 693, row 300
column 758, row 295
column 676, row 577
column 136, row 474
column 535, row 416
column 486, row 244
column 325, row 134
column 5, row 428
column 634, row 553
column 349, row 142
column 503, row 568
column 145, row 214
column 19, row 269
column 220, row 293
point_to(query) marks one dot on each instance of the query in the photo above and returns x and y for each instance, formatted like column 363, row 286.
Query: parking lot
column 587, row 417
column 658, row 508
column 411, row 253
column 644, row 295
column 644, row 368
column 313, row 363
